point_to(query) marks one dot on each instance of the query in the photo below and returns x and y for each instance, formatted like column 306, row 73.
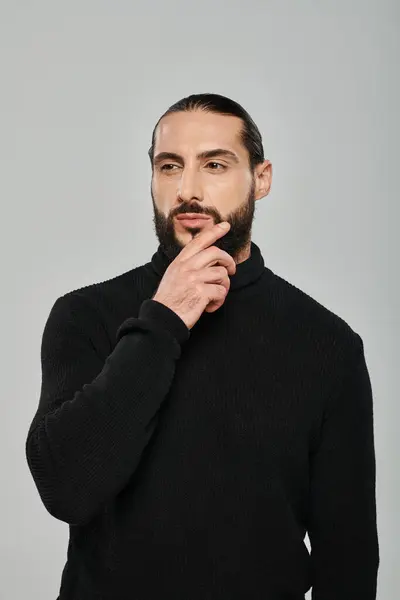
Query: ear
column 263, row 174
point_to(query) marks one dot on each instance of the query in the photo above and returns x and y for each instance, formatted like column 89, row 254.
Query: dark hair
column 249, row 134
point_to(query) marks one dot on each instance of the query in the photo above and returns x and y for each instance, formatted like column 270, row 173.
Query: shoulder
column 313, row 321
column 97, row 308
column 93, row 296
column 90, row 293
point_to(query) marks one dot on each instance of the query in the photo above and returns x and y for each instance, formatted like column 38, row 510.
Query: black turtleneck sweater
column 189, row 464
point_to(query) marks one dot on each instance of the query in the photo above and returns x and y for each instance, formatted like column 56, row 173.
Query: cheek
column 230, row 189
column 165, row 187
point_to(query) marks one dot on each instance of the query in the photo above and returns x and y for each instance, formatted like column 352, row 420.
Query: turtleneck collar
column 247, row 271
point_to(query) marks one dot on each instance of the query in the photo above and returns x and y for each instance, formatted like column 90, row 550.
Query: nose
column 189, row 187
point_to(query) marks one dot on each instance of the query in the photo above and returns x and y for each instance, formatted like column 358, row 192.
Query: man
column 199, row 414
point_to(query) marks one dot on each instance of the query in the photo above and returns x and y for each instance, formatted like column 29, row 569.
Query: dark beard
column 233, row 242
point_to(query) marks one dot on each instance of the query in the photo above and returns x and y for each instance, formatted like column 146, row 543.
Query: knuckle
column 222, row 272
column 199, row 289
column 190, row 277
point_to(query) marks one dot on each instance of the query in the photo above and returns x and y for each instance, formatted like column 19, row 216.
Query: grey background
column 82, row 85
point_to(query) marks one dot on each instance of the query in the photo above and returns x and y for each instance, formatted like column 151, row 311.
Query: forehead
column 195, row 131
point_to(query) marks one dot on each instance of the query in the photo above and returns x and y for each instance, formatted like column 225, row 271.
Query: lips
column 192, row 216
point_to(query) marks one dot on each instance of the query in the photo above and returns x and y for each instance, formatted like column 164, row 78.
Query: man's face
column 221, row 187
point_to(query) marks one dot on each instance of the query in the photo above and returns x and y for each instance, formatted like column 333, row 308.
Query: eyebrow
column 201, row 156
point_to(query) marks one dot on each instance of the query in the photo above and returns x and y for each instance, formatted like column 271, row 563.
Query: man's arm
column 94, row 418
column 342, row 519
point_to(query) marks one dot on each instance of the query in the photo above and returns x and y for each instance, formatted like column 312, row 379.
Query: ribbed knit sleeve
column 94, row 418
column 342, row 520
column 154, row 314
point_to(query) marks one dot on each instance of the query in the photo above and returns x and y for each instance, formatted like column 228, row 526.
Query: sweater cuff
column 155, row 315
column 166, row 317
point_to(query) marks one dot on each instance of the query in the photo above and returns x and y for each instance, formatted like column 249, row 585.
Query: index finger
column 204, row 239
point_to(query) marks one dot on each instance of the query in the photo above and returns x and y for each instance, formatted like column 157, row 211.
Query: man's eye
column 166, row 166
column 216, row 163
